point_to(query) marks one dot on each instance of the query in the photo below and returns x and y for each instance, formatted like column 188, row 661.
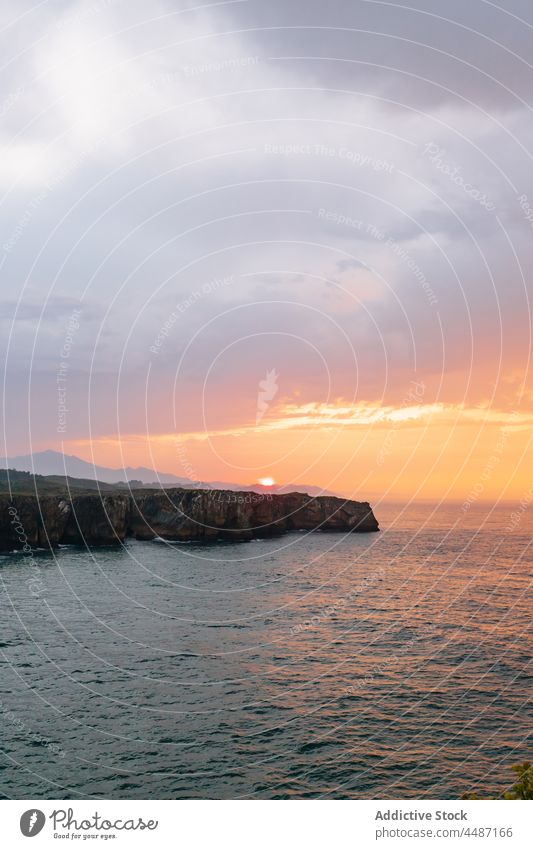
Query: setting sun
column 266, row 481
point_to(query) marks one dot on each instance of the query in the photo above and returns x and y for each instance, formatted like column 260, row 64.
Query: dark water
column 389, row 665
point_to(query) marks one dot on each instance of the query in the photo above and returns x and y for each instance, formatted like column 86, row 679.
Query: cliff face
column 97, row 520
column 22, row 521
column 222, row 514
column 47, row 521
column 173, row 514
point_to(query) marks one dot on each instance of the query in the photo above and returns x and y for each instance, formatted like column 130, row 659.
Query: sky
column 288, row 239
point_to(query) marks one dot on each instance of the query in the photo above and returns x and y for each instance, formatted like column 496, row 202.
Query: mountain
column 56, row 464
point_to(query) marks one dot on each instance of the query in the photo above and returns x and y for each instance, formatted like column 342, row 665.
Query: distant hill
column 56, row 467
column 25, row 483
column 56, row 463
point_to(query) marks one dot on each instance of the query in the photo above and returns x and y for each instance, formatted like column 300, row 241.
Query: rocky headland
column 108, row 518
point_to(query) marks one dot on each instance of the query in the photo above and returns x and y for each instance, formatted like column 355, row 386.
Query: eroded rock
column 174, row 514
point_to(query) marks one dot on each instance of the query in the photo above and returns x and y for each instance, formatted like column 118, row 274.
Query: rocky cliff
column 174, row 514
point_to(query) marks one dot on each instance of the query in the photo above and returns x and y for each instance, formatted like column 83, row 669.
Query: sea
column 394, row 665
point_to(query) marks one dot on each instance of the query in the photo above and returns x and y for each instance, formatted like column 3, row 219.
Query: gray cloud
column 147, row 155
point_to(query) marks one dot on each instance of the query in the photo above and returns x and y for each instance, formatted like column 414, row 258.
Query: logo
column 32, row 822
column 268, row 389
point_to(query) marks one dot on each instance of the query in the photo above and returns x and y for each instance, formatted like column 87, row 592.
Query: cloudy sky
column 289, row 239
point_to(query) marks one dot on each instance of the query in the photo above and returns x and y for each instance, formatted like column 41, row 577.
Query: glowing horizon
column 435, row 451
column 266, row 270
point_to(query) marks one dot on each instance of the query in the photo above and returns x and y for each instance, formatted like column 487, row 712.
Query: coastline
column 101, row 519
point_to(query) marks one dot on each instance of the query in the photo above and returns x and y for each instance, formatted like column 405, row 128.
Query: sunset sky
column 271, row 239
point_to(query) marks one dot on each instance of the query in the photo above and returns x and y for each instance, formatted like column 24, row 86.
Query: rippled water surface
column 383, row 665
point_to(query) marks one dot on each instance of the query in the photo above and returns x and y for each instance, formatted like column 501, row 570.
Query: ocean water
column 390, row 665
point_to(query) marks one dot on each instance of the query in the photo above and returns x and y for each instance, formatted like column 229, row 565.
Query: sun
column 266, row 481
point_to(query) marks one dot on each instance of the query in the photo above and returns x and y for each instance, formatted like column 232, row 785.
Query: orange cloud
column 365, row 450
